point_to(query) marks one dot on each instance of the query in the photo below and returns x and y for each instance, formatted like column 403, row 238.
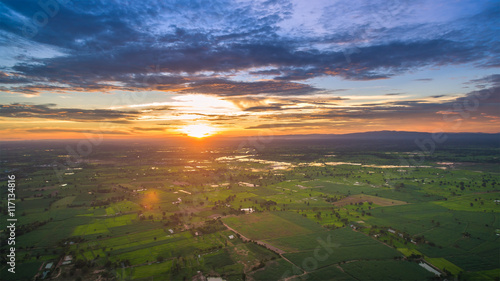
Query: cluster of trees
column 25, row 228
column 399, row 186
column 331, row 199
column 210, row 226
column 267, row 204
column 97, row 203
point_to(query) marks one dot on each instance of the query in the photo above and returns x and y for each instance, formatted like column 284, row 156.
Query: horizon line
column 220, row 136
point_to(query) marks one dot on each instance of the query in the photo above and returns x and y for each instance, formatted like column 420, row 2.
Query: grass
column 310, row 260
column 340, row 245
column 218, row 259
column 51, row 233
column 115, row 228
column 476, row 262
column 386, row 270
column 260, row 226
column 327, row 273
column 140, row 251
column 342, row 237
column 368, row 198
column 103, row 225
column 482, row 275
column 61, row 203
column 299, row 220
column 408, row 252
column 96, row 227
column 23, row 271
column 442, row 264
column 34, row 204
column 480, row 203
column 276, row 270
column 417, row 219
column 156, row 270
column 299, row 242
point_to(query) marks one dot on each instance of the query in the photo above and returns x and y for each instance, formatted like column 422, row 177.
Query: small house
column 247, row 210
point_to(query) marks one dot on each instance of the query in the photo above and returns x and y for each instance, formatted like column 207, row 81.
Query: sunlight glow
column 198, row 131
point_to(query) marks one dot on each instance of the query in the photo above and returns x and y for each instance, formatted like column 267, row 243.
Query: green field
column 332, row 273
column 276, row 270
column 262, row 226
column 161, row 216
column 386, row 270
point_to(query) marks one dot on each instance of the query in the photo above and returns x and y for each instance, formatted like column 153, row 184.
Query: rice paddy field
column 276, row 214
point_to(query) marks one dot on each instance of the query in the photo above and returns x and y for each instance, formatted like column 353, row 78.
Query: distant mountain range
column 395, row 135
column 380, row 139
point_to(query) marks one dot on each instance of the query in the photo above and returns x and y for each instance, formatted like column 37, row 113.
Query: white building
column 247, row 210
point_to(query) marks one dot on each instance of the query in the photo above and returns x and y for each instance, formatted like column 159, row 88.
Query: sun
column 198, row 131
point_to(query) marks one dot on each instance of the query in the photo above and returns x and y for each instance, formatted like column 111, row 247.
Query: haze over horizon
column 242, row 68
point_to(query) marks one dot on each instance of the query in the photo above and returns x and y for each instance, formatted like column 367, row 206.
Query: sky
column 153, row 69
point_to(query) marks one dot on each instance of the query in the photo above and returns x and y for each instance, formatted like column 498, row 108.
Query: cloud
column 51, row 130
column 7, row 78
column 280, row 103
column 166, row 45
column 291, row 125
column 262, row 60
column 477, row 104
column 489, row 80
column 227, row 88
column 282, row 113
column 148, row 129
column 48, row 111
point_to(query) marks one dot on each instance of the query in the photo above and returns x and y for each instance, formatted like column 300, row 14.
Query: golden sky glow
column 198, row 131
